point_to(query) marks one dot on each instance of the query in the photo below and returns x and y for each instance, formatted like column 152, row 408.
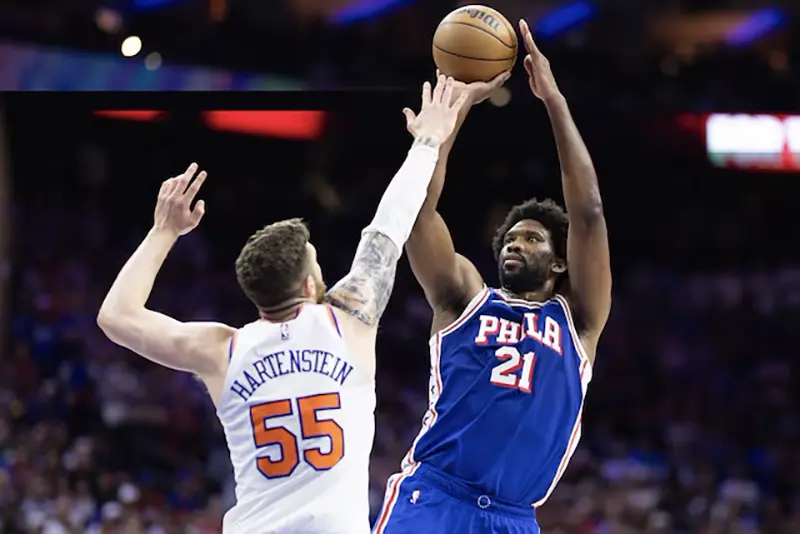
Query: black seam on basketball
column 511, row 31
column 470, row 57
column 487, row 32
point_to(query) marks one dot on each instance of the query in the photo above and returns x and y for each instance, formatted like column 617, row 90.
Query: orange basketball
column 474, row 43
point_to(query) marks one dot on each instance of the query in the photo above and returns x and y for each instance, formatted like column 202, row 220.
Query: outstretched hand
column 174, row 211
column 540, row 77
column 479, row 91
column 460, row 95
column 438, row 115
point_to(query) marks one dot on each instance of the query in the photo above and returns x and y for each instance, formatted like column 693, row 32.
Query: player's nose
column 513, row 247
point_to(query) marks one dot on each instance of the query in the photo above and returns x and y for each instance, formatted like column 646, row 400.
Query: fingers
column 195, row 187
column 410, row 116
column 182, row 189
column 166, row 188
column 528, row 63
column 199, row 210
column 461, row 102
column 441, row 82
column 173, row 184
column 527, row 38
column 426, row 94
column 447, row 94
column 184, row 179
column 500, row 79
column 523, row 28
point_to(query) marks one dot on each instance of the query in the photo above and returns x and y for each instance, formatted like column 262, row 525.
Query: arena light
column 130, row 114
column 152, row 61
column 151, row 5
column 108, row 20
column 131, row 46
column 564, row 18
column 756, row 26
column 361, row 10
column 753, row 141
column 300, row 125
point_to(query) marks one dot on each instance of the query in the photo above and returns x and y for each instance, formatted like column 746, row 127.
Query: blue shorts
column 430, row 502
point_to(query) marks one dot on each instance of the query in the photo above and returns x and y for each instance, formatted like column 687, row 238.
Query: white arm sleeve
column 405, row 195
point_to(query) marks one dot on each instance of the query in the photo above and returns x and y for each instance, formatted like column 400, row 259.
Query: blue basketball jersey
column 508, row 379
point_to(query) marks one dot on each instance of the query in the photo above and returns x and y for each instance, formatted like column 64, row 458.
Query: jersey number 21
column 505, row 374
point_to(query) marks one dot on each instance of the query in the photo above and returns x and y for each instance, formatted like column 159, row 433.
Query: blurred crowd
column 691, row 422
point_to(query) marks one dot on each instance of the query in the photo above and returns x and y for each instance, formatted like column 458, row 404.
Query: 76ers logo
column 433, row 390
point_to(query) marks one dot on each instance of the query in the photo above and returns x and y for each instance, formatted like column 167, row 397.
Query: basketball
column 474, row 44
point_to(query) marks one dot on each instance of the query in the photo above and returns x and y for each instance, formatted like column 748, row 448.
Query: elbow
column 107, row 321
column 424, row 226
column 111, row 321
column 589, row 216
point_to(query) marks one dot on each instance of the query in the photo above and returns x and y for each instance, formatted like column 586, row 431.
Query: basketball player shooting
column 510, row 366
column 294, row 390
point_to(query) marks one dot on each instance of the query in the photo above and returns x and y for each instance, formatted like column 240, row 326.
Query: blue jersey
column 508, row 379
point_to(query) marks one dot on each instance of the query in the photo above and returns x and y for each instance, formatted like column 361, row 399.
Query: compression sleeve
column 405, row 195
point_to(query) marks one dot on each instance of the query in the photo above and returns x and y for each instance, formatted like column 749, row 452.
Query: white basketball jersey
column 299, row 416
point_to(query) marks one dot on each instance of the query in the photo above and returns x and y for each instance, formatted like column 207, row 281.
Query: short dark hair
column 548, row 213
column 272, row 265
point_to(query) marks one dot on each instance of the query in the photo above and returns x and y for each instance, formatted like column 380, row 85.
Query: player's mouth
column 513, row 260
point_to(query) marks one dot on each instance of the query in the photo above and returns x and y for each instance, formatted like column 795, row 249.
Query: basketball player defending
column 510, row 366
column 294, row 390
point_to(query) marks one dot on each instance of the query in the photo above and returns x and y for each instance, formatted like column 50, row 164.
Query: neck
column 284, row 311
column 538, row 295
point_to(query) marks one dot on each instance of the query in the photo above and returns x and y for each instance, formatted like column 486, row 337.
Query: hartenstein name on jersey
column 288, row 362
column 505, row 332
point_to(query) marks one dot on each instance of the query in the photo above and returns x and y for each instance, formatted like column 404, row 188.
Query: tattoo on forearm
column 365, row 291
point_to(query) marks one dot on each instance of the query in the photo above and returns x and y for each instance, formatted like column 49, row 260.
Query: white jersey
column 298, row 413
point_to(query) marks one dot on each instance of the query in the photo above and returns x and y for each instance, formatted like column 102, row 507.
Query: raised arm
column 364, row 292
column 588, row 260
column 200, row 348
column 448, row 279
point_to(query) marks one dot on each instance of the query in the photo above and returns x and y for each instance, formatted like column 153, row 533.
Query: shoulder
column 577, row 324
column 348, row 324
column 208, row 344
column 201, row 334
column 446, row 320
column 453, row 296
column 358, row 337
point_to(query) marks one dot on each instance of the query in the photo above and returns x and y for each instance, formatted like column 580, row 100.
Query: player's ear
column 309, row 286
column 559, row 266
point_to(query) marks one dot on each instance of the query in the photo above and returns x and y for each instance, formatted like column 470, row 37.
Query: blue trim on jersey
column 335, row 320
column 230, row 346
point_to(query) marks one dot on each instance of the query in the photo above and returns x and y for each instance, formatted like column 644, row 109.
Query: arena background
column 691, row 421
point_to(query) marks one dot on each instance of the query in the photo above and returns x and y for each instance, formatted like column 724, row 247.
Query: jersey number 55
column 311, row 427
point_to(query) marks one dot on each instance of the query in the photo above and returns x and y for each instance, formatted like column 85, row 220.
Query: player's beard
column 525, row 278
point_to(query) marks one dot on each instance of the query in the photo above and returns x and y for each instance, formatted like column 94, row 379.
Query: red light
column 303, row 125
column 130, row 114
